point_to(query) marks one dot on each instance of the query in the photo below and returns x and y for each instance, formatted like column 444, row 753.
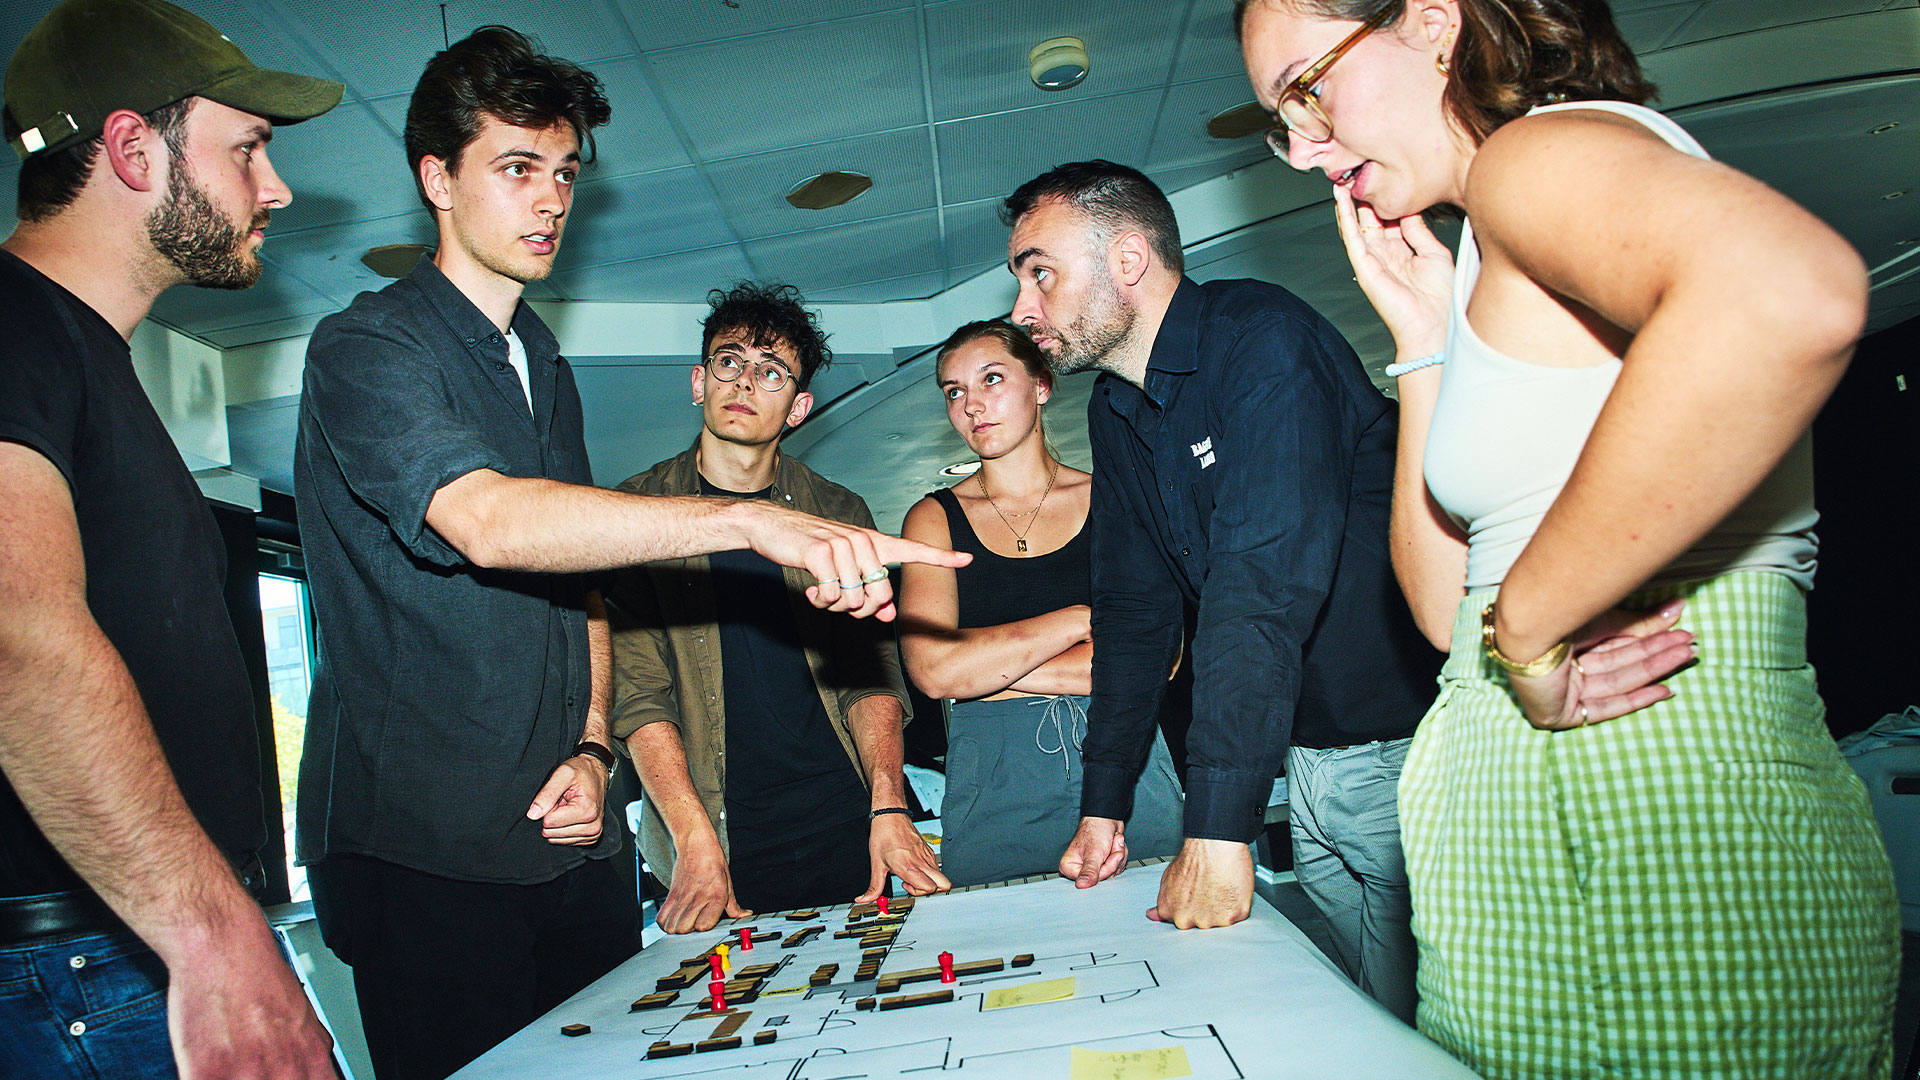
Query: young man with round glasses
column 767, row 733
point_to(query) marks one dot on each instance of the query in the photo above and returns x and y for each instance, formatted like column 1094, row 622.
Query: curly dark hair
column 771, row 313
column 1113, row 196
column 1512, row 55
column 499, row 72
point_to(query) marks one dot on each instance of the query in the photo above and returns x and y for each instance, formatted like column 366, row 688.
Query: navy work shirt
column 1251, row 476
column 446, row 693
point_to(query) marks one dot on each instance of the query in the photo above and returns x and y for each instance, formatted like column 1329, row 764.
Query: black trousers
column 445, row 969
column 817, row 870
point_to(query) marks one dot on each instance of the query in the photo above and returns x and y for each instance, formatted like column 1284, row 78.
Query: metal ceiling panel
column 808, row 85
column 977, row 50
column 329, row 259
column 974, row 232
column 990, row 156
column 1794, row 140
column 753, row 189
column 577, row 32
column 619, row 220
column 852, row 254
column 640, row 137
column 374, row 63
column 1649, row 28
column 279, row 295
column 296, row 326
column 344, row 166
column 662, row 25
column 1180, row 141
column 1723, row 18
column 886, row 290
column 1210, row 50
column 682, row 278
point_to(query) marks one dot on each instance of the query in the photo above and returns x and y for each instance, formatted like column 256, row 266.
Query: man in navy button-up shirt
column 1243, row 464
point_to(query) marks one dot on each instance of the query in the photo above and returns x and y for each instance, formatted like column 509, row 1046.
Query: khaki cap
column 89, row 58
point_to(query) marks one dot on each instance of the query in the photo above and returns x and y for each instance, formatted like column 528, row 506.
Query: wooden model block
column 801, row 937
column 731, row 1042
column 658, row 1000
column 667, row 1050
column 762, row 1038
column 908, row 1001
column 575, row 1030
column 1025, row 959
column 802, row 916
column 864, row 1004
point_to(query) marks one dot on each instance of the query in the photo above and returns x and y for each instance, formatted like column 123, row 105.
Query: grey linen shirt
column 446, row 694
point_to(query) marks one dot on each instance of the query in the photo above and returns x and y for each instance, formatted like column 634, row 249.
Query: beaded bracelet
column 1394, row 371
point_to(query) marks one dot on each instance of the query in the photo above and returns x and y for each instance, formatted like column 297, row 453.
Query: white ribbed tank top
column 1506, row 434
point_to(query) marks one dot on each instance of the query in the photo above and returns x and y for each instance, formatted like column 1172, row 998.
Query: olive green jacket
column 666, row 646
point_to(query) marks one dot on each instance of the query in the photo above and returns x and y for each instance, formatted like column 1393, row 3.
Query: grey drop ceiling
column 721, row 106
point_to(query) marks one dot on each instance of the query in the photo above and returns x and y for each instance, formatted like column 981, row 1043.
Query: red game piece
column 746, row 938
column 719, row 991
column 946, row 967
column 881, row 903
column 714, row 963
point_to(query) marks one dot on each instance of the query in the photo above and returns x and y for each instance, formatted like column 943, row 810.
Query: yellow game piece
column 726, row 965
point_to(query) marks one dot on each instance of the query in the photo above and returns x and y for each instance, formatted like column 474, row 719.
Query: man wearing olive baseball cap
column 131, row 814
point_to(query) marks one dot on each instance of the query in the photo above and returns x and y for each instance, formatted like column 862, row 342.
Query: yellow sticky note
column 1032, row 993
column 1161, row 1063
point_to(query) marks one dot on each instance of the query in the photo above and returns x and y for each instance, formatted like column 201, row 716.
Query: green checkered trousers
column 1693, row 890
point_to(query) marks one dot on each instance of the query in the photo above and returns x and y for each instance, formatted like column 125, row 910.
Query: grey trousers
column 1013, row 790
column 1344, row 813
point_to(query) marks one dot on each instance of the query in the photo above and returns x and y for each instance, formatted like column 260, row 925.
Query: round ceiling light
column 1058, row 63
column 822, row 190
column 394, row 260
column 963, row 468
column 1239, row 122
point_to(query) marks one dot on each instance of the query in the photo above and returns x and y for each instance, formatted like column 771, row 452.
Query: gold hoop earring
column 1440, row 59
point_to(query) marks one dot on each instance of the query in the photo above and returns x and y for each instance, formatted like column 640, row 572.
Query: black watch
column 598, row 753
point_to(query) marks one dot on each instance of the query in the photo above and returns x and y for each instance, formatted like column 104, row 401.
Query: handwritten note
column 1032, row 993
column 1162, row 1063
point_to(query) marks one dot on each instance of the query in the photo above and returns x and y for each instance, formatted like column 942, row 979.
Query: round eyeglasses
column 767, row 374
column 1298, row 110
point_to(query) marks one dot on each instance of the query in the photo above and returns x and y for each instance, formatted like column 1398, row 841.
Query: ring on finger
column 849, row 583
column 1583, row 716
column 878, row 573
column 1578, row 668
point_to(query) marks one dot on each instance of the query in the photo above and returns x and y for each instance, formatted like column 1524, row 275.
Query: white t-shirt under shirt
column 1506, row 434
column 517, row 356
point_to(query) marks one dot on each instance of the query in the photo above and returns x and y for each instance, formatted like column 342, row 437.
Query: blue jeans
column 1343, row 810
column 84, row 1007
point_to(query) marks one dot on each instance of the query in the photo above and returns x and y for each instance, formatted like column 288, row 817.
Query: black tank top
column 995, row 589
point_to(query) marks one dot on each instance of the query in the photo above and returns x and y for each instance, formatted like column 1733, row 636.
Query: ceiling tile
column 684, row 277
column 344, row 166
column 255, row 333
column 1180, row 141
column 329, row 258
column 851, row 254
column 1185, row 176
column 1210, row 48
column 1648, row 30
column 667, row 25
column 753, row 189
column 888, row 290
column 977, row 50
column 375, row 63
column 1724, row 17
column 974, row 233
column 277, row 296
column 625, row 218
column 640, row 137
column 576, row 32
column 990, row 156
column 808, row 85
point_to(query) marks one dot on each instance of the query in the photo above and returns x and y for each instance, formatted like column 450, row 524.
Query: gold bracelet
column 1533, row 668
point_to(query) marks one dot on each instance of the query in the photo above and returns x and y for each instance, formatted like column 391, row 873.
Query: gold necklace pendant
column 1019, row 538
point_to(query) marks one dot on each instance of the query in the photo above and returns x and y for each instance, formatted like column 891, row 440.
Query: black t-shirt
column 154, row 561
column 787, row 775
